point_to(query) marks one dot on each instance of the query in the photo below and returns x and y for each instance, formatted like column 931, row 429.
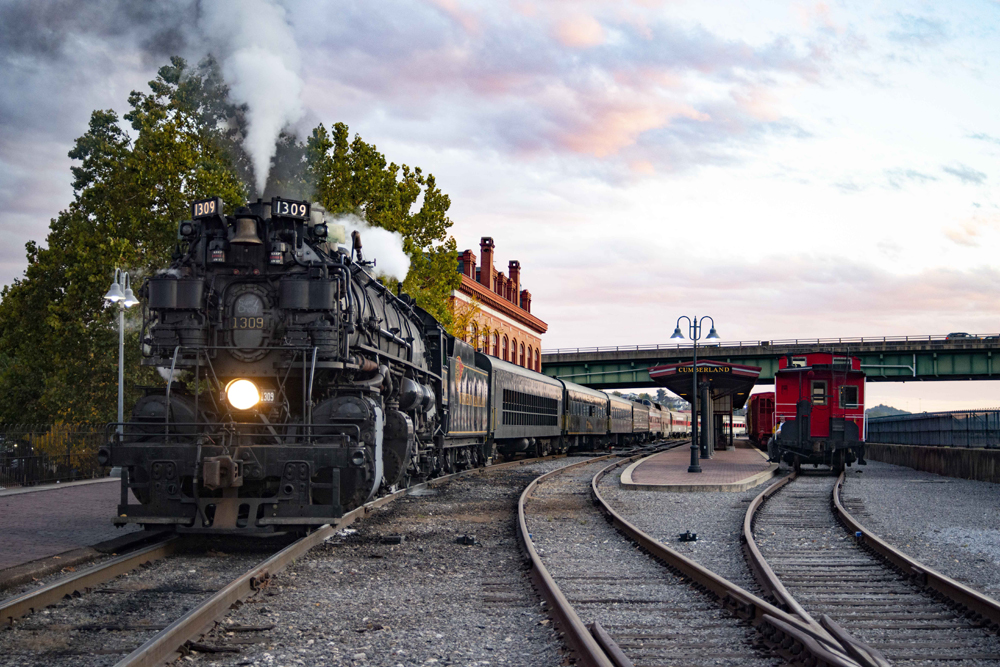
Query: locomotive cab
column 819, row 411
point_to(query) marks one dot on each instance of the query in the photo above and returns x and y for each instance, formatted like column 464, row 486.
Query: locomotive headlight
column 242, row 394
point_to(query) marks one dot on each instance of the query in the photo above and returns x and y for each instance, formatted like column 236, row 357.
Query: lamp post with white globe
column 121, row 293
column 694, row 331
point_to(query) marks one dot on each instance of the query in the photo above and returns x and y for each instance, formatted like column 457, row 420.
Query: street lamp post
column 121, row 293
column 694, row 331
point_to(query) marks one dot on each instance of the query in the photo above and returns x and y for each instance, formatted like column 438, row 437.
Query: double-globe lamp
column 694, row 331
column 121, row 293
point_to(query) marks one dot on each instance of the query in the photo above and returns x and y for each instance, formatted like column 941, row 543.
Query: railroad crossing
column 884, row 359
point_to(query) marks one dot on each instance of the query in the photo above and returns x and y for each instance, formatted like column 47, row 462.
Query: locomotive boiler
column 298, row 386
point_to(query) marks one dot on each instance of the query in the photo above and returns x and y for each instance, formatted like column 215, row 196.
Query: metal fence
column 33, row 454
column 962, row 428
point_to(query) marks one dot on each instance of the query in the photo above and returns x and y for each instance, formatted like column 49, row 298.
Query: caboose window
column 848, row 397
column 819, row 392
column 798, row 362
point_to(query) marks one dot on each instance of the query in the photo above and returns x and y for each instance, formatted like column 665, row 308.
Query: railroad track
column 885, row 607
column 639, row 612
column 154, row 605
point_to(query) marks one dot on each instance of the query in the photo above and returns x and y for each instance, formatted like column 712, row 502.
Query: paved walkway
column 734, row 470
column 56, row 519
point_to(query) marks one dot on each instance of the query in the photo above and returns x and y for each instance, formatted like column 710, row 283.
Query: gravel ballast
column 949, row 524
column 655, row 616
column 716, row 518
column 435, row 578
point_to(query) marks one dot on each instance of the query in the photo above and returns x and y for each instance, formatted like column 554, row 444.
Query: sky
column 794, row 170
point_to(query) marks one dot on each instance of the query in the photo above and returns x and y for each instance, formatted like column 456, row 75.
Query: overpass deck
column 884, row 359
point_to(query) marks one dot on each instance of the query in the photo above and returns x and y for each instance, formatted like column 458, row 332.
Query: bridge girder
column 928, row 359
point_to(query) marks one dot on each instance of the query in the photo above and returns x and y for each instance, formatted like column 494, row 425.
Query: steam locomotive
column 298, row 385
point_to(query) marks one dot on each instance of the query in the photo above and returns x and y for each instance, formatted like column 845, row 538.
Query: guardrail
column 767, row 343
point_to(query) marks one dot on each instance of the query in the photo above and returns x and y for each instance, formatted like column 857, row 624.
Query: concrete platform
column 46, row 521
column 729, row 470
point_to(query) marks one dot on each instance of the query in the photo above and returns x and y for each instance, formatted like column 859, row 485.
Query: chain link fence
column 33, row 454
column 962, row 428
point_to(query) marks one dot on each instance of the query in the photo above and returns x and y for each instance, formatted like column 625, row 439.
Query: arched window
column 504, row 357
column 529, row 359
column 522, row 354
column 493, row 345
column 513, row 350
column 538, row 362
column 475, row 336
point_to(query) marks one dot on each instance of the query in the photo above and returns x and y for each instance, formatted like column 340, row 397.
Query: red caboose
column 820, row 412
column 760, row 418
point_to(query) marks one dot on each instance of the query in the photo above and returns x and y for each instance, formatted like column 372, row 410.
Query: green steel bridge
column 885, row 359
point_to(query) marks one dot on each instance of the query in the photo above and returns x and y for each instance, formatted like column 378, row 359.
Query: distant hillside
column 884, row 411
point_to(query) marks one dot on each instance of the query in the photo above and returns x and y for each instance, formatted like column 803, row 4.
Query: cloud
column 982, row 136
column 969, row 232
column 919, row 31
column 579, row 32
column 898, row 177
column 965, row 174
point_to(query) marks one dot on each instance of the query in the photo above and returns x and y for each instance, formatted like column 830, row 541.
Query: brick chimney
column 501, row 284
column 514, row 270
column 486, row 268
column 468, row 262
column 526, row 300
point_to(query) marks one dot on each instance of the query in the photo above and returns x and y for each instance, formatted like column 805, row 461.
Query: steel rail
column 770, row 582
column 981, row 608
column 169, row 643
column 81, row 582
column 788, row 635
column 575, row 633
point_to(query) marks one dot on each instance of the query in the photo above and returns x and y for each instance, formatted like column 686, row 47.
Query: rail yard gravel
column 716, row 518
column 102, row 626
column 949, row 524
column 655, row 616
column 435, row 578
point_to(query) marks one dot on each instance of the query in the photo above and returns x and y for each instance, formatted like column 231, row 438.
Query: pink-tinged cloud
column 759, row 103
column 604, row 127
column 579, row 32
column 969, row 232
column 463, row 17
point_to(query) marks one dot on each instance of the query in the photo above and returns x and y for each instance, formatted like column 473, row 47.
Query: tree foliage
column 58, row 338
column 132, row 182
column 352, row 176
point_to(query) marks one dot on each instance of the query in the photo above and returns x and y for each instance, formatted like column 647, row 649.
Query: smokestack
column 469, row 264
column 486, row 268
column 514, row 270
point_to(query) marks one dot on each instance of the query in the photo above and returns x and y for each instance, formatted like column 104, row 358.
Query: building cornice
column 471, row 288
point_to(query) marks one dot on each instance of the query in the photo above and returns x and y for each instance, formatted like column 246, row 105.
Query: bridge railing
column 768, row 343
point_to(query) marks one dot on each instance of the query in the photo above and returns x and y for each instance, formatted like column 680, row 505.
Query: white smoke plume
column 378, row 244
column 260, row 62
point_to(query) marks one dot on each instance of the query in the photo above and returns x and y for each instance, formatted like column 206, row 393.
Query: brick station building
column 504, row 326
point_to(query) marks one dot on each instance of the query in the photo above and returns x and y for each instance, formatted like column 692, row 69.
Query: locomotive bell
column 246, row 231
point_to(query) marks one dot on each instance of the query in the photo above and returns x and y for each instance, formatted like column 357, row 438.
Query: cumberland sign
column 706, row 369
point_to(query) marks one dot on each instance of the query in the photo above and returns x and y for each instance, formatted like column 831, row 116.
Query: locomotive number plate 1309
column 247, row 322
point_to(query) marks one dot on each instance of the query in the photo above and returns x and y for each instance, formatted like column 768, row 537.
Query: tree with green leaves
column 58, row 337
column 132, row 184
column 352, row 176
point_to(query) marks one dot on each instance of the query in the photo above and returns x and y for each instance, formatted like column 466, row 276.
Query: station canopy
column 730, row 384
